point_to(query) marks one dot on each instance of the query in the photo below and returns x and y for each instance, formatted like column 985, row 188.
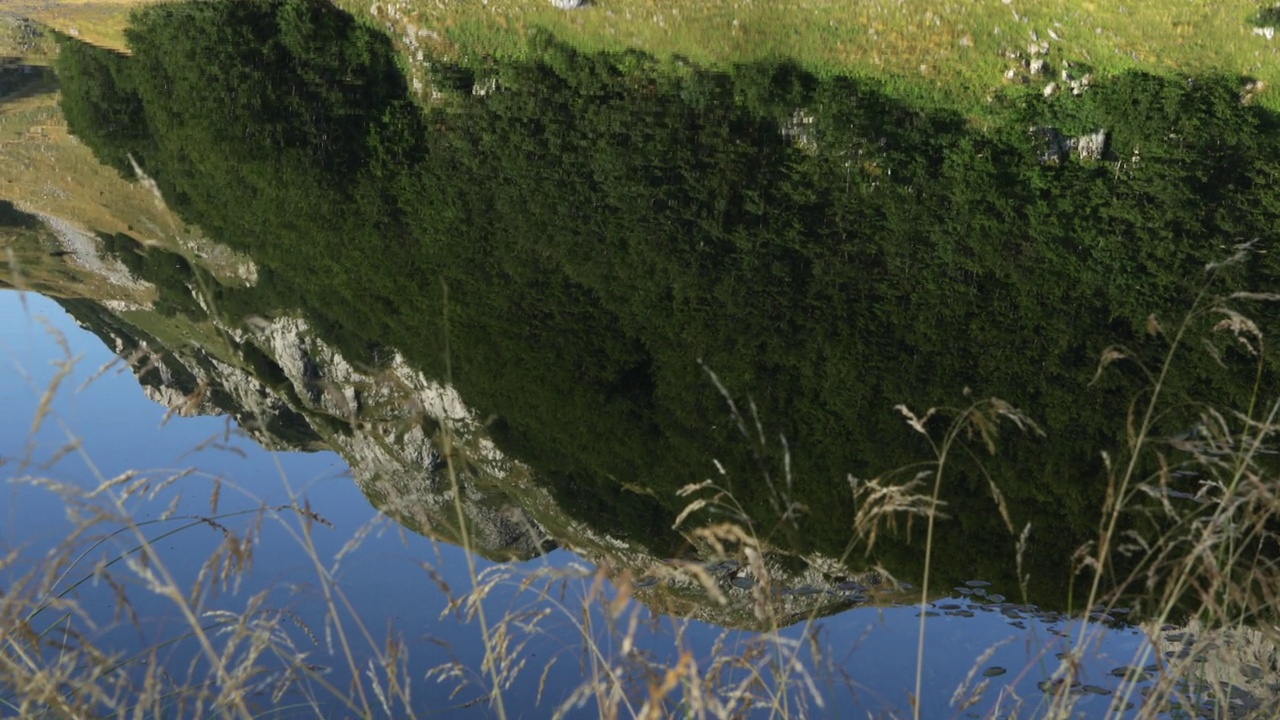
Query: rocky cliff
column 421, row 456
column 417, row 451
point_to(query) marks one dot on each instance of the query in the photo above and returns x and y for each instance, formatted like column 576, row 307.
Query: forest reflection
column 635, row 267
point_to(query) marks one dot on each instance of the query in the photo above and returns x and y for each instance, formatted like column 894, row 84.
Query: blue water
column 868, row 663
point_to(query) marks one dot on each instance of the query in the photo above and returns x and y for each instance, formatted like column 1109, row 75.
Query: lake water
column 664, row 368
column 385, row 580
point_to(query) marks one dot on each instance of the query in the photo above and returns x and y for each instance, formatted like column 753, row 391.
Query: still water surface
column 120, row 429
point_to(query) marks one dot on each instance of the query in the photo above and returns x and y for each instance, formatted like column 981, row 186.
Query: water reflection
column 575, row 240
column 20, row 80
column 552, row 301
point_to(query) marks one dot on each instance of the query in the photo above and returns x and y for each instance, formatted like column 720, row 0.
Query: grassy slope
column 101, row 22
column 44, row 169
column 949, row 53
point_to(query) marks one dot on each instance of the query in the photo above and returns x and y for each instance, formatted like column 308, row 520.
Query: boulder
column 1056, row 147
column 1089, row 147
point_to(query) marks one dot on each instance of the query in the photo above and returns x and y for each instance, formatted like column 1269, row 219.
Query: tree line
column 576, row 249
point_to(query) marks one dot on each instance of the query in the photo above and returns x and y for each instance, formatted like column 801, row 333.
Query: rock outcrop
column 1055, row 147
column 417, row 451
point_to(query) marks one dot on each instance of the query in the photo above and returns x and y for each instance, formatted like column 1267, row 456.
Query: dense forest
column 575, row 240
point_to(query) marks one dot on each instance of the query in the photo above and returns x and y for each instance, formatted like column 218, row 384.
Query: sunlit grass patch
column 950, row 54
column 944, row 54
column 22, row 41
column 100, row 22
column 46, row 171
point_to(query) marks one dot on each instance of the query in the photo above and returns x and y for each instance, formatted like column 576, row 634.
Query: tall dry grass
column 1210, row 572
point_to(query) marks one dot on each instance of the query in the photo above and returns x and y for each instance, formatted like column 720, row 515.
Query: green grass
column 949, row 54
column 944, row 54
column 45, row 170
column 101, row 22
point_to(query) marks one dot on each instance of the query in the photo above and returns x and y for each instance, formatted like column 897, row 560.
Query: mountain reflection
column 575, row 243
